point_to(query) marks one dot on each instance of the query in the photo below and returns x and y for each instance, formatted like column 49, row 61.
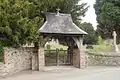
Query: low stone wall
column 17, row 60
column 103, row 59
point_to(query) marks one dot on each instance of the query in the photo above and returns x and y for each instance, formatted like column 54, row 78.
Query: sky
column 90, row 14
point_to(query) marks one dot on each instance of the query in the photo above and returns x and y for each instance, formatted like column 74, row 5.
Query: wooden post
column 78, row 54
column 57, row 50
column 64, row 57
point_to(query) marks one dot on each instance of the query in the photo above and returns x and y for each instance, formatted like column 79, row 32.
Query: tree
column 66, row 6
column 108, row 17
column 91, row 37
column 20, row 20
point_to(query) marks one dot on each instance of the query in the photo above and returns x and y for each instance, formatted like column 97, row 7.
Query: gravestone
column 114, row 42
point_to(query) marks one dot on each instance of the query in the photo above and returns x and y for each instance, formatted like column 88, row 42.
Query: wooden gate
column 57, row 57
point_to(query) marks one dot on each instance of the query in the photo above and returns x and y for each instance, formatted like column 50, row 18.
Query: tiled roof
column 60, row 24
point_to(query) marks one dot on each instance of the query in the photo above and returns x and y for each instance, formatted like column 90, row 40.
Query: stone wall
column 103, row 59
column 18, row 60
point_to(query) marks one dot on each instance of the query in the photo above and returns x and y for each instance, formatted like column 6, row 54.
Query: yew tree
column 20, row 20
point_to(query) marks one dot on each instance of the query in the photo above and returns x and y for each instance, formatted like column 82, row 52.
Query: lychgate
column 60, row 26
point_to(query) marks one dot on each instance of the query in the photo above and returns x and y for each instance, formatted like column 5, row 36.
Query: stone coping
column 105, row 54
column 21, row 48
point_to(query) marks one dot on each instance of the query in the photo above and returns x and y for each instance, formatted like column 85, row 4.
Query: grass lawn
column 119, row 46
column 101, row 48
column 96, row 48
column 54, row 47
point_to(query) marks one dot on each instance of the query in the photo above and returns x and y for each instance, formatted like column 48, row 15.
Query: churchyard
column 49, row 37
column 93, row 48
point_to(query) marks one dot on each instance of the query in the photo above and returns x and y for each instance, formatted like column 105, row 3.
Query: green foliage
column 91, row 36
column 100, row 40
column 61, row 48
column 48, row 47
column 17, row 23
column 20, row 19
column 108, row 17
column 1, row 51
column 66, row 6
column 119, row 46
column 54, row 47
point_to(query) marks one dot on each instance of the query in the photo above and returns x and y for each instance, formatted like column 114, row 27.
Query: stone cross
column 58, row 11
column 114, row 41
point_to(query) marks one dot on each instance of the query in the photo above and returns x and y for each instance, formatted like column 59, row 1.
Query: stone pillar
column 114, row 41
column 35, row 59
column 82, row 55
column 41, row 59
column 78, row 54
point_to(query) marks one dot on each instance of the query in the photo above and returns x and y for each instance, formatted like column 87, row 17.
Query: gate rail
column 57, row 57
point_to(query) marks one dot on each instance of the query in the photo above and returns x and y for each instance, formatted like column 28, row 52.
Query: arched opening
column 58, row 51
column 70, row 56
